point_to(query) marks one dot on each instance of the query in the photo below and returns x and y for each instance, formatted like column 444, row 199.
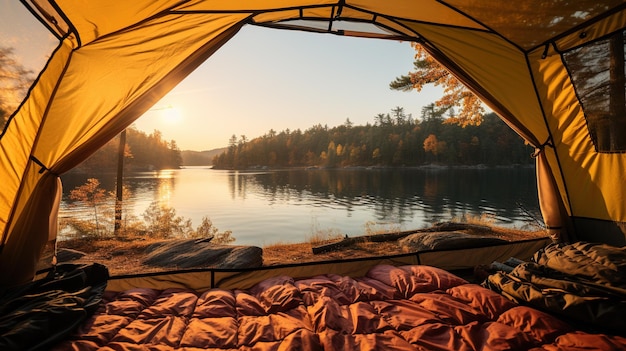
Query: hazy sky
column 261, row 79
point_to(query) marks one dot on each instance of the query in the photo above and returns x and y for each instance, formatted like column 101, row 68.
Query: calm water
column 266, row 207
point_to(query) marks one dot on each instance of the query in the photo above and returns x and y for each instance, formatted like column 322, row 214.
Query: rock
column 243, row 257
column 68, row 255
column 445, row 240
column 193, row 253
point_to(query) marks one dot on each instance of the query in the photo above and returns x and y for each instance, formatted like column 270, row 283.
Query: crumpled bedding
column 391, row 308
column 583, row 283
column 35, row 316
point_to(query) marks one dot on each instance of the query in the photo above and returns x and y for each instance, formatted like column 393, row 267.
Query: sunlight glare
column 171, row 115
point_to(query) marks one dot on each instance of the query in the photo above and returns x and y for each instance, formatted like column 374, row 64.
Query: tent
column 552, row 70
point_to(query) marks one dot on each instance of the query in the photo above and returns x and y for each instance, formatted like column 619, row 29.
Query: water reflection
column 401, row 194
column 289, row 205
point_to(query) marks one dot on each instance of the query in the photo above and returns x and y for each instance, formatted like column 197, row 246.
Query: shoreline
column 431, row 166
column 126, row 255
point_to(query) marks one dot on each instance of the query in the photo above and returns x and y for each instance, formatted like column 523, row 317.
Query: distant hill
column 200, row 158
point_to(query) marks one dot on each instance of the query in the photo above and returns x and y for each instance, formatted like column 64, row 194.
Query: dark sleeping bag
column 583, row 283
column 39, row 314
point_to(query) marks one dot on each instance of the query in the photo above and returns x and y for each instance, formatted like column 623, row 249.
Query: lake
column 282, row 206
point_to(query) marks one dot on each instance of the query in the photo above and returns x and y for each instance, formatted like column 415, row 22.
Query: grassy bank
column 125, row 255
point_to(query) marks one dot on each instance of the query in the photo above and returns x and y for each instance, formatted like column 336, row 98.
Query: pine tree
column 429, row 71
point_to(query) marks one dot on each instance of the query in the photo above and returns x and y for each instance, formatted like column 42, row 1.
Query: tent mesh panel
column 597, row 71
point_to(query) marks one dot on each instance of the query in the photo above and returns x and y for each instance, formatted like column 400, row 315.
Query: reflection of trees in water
column 233, row 184
column 400, row 193
column 237, row 184
column 142, row 186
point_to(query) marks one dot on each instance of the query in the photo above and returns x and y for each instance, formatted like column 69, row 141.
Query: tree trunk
column 617, row 107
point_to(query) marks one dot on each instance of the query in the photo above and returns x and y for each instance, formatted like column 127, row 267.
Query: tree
column 141, row 151
column 434, row 145
column 331, row 154
column 380, row 119
column 207, row 230
column 399, row 115
column 391, row 141
column 348, row 123
column 430, row 144
column 175, row 158
column 232, row 142
column 91, row 195
column 14, row 83
column 162, row 222
column 376, row 155
column 428, row 71
column 598, row 74
column 431, row 113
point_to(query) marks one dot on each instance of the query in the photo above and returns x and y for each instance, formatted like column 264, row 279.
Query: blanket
column 36, row 316
column 412, row 307
column 584, row 283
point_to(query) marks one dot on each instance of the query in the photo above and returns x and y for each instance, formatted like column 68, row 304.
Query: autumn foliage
column 394, row 140
column 462, row 106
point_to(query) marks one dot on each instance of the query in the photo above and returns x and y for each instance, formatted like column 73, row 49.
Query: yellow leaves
column 89, row 193
column 434, row 146
column 455, row 94
column 340, row 150
column 430, row 144
column 376, row 154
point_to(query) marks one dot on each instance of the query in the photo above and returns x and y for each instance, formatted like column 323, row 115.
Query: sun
column 171, row 115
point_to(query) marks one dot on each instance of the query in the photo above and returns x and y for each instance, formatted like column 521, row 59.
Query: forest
column 142, row 152
column 393, row 140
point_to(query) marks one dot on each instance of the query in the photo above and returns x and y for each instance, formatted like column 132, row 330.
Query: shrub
column 162, row 222
column 207, row 230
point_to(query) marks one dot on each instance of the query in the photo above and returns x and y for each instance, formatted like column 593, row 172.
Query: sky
column 261, row 79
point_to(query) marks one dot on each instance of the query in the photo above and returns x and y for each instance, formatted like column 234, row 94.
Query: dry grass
column 120, row 256
column 293, row 253
column 126, row 256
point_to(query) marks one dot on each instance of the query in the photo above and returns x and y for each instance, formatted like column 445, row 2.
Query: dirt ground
column 126, row 256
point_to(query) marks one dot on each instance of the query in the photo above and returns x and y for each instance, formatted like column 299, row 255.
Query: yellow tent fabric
column 526, row 60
